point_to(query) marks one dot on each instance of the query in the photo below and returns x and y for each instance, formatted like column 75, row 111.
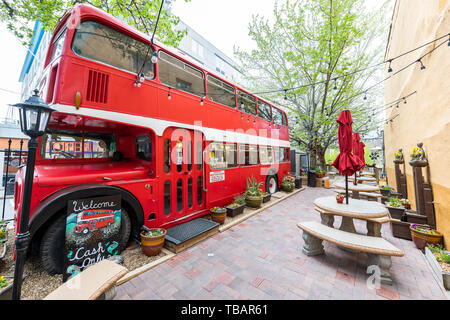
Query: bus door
column 183, row 174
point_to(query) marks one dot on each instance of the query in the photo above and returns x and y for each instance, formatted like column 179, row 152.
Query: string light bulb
column 365, row 96
column 285, row 97
column 154, row 57
column 389, row 68
column 422, row 67
column 201, row 101
column 335, row 86
column 168, row 95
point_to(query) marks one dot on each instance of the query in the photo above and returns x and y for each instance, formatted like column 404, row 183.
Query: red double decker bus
column 91, row 220
column 173, row 141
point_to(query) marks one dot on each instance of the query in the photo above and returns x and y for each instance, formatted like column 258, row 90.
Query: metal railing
column 12, row 158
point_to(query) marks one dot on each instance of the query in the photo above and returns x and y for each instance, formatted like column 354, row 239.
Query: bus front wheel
column 52, row 249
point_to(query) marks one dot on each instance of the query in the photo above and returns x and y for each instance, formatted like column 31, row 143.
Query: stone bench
column 379, row 250
column 97, row 281
column 373, row 227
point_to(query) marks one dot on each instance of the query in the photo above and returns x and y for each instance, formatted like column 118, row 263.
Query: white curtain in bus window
column 248, row 155
column 280, row 154
column 266, row 155
column 264, row 111
column 277, row 116
column 222, row 155
column 98, row 42
column 180, row 75
column 220, row 92
column 246, row 102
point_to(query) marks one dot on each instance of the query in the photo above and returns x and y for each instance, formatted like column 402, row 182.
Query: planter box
column 443, row 275
column 385, row 193
column 267, row 198
column 414, row 218
column 298, row 182
column 6, row 293
column 396, row 213
column 400, row 229
column 232, row 212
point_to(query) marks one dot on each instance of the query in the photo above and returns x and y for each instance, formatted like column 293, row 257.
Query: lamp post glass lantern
column 34, row 117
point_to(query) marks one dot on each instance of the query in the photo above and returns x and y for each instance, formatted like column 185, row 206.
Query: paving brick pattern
column 262, row 259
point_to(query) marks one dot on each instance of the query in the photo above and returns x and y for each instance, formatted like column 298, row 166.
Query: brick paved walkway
column 261, row 258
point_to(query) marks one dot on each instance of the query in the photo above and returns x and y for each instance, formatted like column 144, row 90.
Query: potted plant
column 218, row 214
column 253, row 195
column 422, row 235
column 340, row 198
column 288, row 183
column 405, row 203
column 5, row 289
column 237, row 207
column 439, row 260
column 395, row 208
column 152, row 240
column 385, row 190
column 319, row 173
column 3, row 232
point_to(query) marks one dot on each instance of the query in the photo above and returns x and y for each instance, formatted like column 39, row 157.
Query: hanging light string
column 364, row 69
column 140, row 75
column 386, row 106
column 387, row 78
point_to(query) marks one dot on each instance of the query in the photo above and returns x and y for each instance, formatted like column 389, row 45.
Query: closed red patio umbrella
column 356, row 140
column 346, row 163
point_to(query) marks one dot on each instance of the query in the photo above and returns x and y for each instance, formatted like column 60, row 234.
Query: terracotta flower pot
column 421, row 238
column 151, row 246
column 219, row 216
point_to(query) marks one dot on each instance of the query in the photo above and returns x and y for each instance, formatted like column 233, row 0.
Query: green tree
column 324, row 43
column 141, row 14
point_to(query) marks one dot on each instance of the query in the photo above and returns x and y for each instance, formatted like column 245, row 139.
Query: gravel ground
column 38, row 283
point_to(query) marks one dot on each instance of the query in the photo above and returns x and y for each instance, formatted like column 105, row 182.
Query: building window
column 220, row 65
column 248, row 155
column 223, row 155
column 196, row 47
column 246, row 102
column 221, row 92
column 180, row 75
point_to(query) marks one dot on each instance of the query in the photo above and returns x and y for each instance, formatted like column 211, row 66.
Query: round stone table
column 356, row 189
column 358, row 209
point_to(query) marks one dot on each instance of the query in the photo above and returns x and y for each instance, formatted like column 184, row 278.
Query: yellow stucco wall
column 426, row 115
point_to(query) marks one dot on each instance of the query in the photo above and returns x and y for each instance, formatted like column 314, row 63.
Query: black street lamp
column 34, row 117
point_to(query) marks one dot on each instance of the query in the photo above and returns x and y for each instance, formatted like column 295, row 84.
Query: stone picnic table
column 369, row 211
column 356, row 189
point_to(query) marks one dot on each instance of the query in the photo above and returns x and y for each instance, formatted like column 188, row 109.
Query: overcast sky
column 223, row 23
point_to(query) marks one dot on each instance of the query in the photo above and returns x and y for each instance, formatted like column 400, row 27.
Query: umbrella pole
column 356, row 181
column 346, row 188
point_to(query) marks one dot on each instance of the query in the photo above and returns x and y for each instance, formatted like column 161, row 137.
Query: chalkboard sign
column 92, row 232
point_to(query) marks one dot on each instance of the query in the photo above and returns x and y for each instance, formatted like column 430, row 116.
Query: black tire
column 52, row 244
column 268, row 178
